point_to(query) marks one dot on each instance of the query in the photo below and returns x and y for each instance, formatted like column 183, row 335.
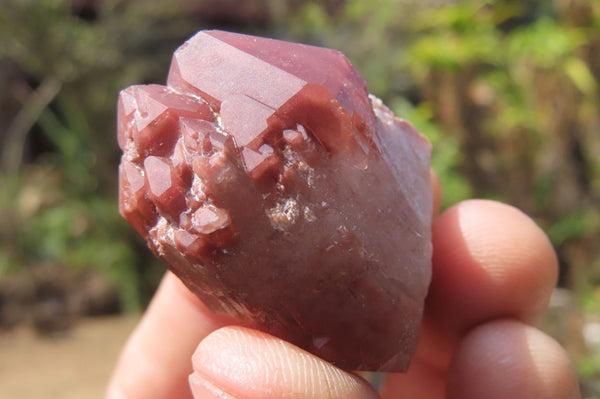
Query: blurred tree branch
column 16, row 134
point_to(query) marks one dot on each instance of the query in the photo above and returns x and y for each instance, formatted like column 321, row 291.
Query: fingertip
column 490, row 260
column 202, row 389
column 247, row 363
column 510, row 359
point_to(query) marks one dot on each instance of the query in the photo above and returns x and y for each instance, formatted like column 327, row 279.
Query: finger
column 509, row 359
column 155, row 362
column 241, row 363
column 490, row 261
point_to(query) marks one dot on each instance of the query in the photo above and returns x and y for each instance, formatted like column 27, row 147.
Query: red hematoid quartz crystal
column 281, row 193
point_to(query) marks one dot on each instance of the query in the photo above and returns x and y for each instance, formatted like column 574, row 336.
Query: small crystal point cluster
column 281, row 193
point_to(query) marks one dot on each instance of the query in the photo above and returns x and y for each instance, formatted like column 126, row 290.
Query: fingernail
column 202, row 389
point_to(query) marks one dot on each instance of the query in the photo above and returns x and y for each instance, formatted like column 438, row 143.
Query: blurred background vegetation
column 507, row 91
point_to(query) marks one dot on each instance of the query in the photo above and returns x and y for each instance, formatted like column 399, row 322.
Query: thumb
column 239, row 362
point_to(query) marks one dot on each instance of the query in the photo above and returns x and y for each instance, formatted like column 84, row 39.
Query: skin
column 493, row 274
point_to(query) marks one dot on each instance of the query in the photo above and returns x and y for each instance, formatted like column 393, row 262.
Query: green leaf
column 580, row 75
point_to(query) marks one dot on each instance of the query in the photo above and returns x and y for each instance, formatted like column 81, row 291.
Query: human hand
column 493, row 274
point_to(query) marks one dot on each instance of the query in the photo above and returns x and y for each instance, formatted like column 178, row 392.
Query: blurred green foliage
column 59, row 206
column 507, row 91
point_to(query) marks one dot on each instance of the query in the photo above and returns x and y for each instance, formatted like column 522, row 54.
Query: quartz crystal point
column 281, row 193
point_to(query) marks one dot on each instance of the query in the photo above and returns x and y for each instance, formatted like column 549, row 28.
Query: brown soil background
column 75, row 365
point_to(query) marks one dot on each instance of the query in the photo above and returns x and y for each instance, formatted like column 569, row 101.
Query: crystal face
column 281, row 193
